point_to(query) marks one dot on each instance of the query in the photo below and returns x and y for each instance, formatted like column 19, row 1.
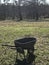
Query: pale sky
column 47, row 1
column 11, row 1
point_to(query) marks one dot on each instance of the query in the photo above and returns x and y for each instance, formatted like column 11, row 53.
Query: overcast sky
column 17, row 0
column 47, row 1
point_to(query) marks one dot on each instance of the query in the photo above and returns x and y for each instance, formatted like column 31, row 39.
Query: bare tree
column 37, row 2
column 19, row 9
column 6, row 1
column 0, row 1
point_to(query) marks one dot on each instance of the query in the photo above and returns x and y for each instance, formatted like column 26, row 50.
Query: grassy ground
column 11, row 30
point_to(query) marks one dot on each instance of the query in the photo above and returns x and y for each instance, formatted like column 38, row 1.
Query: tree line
column 27, row 10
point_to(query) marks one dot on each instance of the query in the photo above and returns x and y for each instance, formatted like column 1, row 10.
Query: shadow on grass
column 28, row 61
column 28, row 44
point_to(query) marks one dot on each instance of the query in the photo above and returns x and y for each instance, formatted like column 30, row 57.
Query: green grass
column 11, row 30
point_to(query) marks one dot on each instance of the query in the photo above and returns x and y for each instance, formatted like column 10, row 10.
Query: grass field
column 11, row 30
